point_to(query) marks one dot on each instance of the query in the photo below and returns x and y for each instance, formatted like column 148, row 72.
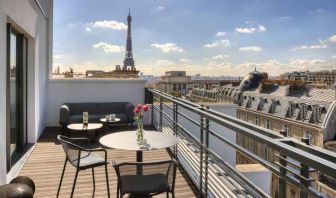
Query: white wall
column 26, row 17
column 2, row 94
column 62, row 91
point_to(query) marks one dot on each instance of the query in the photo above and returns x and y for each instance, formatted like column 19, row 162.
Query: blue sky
column 210, row 37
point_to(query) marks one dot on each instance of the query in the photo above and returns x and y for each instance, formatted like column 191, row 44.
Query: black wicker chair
column 80, row 155
column 156, row 178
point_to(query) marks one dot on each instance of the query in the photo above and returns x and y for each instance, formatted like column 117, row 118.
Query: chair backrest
column 71, row 149
column 167, row 168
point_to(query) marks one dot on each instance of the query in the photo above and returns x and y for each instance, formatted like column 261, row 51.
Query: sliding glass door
column 16, row 94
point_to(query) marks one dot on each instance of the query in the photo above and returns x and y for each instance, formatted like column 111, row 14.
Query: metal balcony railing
column 212, row 175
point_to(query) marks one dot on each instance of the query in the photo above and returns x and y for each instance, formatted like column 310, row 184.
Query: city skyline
column 211, row 38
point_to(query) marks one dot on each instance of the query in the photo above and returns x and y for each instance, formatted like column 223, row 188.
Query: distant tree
column 176, row 94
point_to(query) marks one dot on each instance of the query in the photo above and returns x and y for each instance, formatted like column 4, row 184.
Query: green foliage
column 176, row 94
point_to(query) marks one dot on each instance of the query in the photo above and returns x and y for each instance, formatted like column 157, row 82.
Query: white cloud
column 88, row 29
column 334, row 56
column 161, row 8
column 109, row 48
column 164, row 62
column 250, row 49
column 58, row 56
column 220, row 56
column 222, row 43
column 261, row 28
column 220, row 34
column 322, row 45
column 251, row 30
column 167, row 47
column 106, row 24
column 245, row 30
column 185, row 60
column 285, row 18
column 317, row 11
column 333, row 38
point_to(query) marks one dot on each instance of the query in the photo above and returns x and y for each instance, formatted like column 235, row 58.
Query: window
column 257, row 120
column 309, row 135
column 246, row 117
column 267, row 124
column 286, row 128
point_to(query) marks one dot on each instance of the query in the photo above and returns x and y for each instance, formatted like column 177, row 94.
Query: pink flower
column 137, row 110
column 139, row 106
column 145, row 108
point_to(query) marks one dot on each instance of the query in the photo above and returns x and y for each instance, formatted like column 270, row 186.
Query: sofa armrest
column 129, row 112
column 64, row 114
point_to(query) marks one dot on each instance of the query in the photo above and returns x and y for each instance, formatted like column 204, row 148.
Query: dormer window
column 303, row 111
column 249, row 101
column 262, row 102
column 317, row 113
column 274, row 104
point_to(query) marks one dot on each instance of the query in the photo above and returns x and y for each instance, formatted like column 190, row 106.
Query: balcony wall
column 89, row 90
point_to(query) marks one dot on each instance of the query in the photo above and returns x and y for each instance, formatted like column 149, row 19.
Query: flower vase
column 140, row 132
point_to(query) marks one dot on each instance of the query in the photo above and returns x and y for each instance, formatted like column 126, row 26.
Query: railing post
column 161, row 114
column 207, row 126
column 152, row 115
column 175, row 117
column 201, row 157
column 283, row 162
column 149, row 99
column 304, row 172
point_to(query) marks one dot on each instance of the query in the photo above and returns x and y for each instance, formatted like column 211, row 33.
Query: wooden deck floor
column 45, row 165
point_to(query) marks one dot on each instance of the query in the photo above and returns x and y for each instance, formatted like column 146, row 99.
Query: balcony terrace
column 207, row 146
column 205, row 169
column 45, row 165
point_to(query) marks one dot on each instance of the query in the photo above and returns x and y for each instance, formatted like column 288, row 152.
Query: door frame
column 20, row 89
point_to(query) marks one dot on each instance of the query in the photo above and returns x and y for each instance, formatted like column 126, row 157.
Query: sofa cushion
column 79, row 108
column 110, row 108
column 79, row 118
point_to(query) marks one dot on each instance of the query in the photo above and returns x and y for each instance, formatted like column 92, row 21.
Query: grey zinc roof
column 322, row 97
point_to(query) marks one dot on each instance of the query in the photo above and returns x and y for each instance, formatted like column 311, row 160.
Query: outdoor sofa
column 73, row 112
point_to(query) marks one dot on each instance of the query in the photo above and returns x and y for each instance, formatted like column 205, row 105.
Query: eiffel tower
column 128, row 70
column 129, row 54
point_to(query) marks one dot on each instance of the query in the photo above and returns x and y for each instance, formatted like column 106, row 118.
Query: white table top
column 127, row 140
column 80, row 126
column 115, row 120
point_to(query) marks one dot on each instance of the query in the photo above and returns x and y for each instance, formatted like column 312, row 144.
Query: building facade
column 293, row 109
column 174, row 81
column 317, row 77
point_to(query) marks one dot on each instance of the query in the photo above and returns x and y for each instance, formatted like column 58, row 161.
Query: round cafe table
column 80, row 127
column 108, row 122
column 127, row 140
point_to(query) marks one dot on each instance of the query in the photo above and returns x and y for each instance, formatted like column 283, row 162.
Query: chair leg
column 167, row 194
column 74, row 183
column 118, row 189
column 107, row 181
column 60, row 184
column 94, row 182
